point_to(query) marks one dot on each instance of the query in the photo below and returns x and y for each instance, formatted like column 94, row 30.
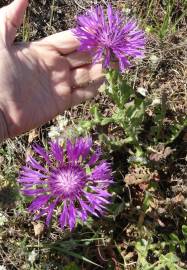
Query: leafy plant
column 168, row 23
column 129, row 115
column 161, row 259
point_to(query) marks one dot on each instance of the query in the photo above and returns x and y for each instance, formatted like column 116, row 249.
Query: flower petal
column 72, row 216
column 50, row 211
column 63, row 220
column 57, row 152
column 38, row 203
column 42, row 152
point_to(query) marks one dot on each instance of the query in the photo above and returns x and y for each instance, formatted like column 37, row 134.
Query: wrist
column 3, row 127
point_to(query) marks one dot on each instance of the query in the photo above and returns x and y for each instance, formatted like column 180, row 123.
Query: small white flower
column 154, row 59
column 142, row 91
column 54, row 133
column 127, row 11
column 62, row 122
column 156, row 101
column 57, row 131
column 2, row 267
column 32, row 256
column 3, row 220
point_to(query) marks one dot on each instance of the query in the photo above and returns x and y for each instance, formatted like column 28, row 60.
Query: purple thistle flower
column 73, row 180
column 110, row 37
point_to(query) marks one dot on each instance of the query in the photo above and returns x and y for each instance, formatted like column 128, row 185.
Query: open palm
column 43, row 78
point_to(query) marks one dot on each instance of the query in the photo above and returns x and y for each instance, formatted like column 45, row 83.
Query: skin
column 40, row 79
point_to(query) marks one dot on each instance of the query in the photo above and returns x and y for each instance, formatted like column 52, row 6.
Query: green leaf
column 118, row 89
column 174, row 237
column 78, row 256
column 184, row 230
column 129, row 140
column 142, row 248
column 86, row 124
column 146, row 202
column 106, row 121
column 96, row 114
column 71, row 266
column 183, row 246
column 169, row 260
column 126, row 91
column 118, row 208
column 176, row 129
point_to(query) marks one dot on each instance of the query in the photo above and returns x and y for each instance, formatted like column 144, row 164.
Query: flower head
column 73, row 180
column 111, row 37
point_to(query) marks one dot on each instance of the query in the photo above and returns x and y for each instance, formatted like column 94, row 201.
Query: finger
column 65, row 42
column 16, row 11
column 78, row 59
column 82, row 94
column 14, row 14
column 83, row 75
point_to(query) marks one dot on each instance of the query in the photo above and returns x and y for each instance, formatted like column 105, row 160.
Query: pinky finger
column 82, row 94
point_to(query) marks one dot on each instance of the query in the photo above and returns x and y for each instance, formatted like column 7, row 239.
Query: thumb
column 12, row 16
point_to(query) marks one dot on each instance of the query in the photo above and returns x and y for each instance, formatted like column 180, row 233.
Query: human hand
column 40, row 79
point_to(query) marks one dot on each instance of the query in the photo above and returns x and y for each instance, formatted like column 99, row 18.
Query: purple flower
column 110, row 37
column 74, row 181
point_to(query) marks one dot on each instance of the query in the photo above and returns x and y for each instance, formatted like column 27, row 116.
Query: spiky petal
column 74, row 179
column 109, row 36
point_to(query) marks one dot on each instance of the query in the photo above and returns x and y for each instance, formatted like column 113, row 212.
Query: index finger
column 65, row 42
